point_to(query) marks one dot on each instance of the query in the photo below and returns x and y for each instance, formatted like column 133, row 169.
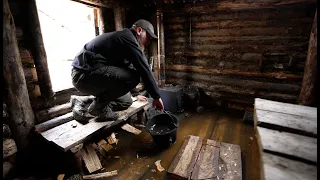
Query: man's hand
column 158, row 104
column 141, row 98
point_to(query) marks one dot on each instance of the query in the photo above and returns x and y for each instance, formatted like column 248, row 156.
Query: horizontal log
column 9, row 148
column 231, row 24
column 98, row 3
column 211, row 49
column 55, row 111
column 200, row 69
column 219, row 92
column 261, row 14
column 266, row 40
column 236, row 5
column 252, row 31
column 240, row 83
column 63, row 96
column 54, row 122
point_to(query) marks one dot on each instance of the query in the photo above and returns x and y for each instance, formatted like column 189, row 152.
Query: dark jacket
column 118, row 48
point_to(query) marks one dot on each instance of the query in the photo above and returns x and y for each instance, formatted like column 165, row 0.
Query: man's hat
column 146, row 25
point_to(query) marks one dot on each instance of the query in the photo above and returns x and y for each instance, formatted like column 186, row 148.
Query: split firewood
column 159, row 167
column 101, row 175
column 104, row 145
column 90, row 158
column 131, row 129
column 112, row 139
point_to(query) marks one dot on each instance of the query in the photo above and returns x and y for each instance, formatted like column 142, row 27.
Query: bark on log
column 7, row 166
column 38, row 50
column 200, row 69
column 54, row 122
column 6, row 131
column 309, row 83
column 119, row 17
column 16, row 95
column 9, row 148
column 161, row 48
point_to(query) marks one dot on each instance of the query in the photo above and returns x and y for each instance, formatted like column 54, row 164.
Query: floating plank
column 101, row 175
column 207, row 165
column 131, row 129
column 9, row 148
column 288, row 143
column 280, row 168
column 72, row 133
column 293, row 109
column 90, row 158
column 230, row 155
column 183, row 163
column 296, row 122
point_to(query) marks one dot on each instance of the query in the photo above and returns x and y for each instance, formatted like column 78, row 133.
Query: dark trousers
column 109, row 84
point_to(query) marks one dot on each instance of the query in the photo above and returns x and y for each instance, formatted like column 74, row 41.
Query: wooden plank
column 72, row 133
column 183, row 163
column 276, row 167
column 101, row 175
column 302, row 123
column 207, row 165
column 90, row 158
column 288, row 143
column 131, row 129
column 293, row 109
column 9, row 148
column 230, row 155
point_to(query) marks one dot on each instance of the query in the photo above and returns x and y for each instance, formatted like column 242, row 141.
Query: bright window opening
column 66, row 26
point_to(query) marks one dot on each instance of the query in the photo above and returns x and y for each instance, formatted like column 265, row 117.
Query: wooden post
column 161, row 52
column 16, row 95
column 153, row 52
column 309, row 82
column 37, row 49
column 101, row 20
column 119, row 17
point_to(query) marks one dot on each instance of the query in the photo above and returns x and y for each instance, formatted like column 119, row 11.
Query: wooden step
column 71, row 133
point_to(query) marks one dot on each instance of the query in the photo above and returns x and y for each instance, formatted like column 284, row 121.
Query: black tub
column 163, row 129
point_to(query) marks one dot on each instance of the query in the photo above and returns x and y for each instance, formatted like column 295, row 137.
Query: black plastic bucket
column 163, row 129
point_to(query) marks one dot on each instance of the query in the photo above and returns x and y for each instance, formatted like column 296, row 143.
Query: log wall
column 238, row 50
column 18, row 11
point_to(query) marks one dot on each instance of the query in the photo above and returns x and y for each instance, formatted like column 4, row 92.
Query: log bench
column 287, row 134
column 65, row 132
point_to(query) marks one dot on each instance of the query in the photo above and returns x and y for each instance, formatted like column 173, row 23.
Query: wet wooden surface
column 134, row 155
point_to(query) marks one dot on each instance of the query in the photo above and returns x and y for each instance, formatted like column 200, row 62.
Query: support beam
column 153, row 51
column 161, row 50
column 37, row 49
column 309, row 82
column 16, row 95
column 119, row 17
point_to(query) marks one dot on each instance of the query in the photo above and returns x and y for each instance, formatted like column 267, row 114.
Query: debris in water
column 137, row 155
column 186, row 115
column 251, row 138
column 199, row 109
column 153, row 170
column 117, row 157
column 112, row 139
column 159, row 167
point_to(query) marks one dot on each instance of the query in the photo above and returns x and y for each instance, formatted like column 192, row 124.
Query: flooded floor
column 134, row 155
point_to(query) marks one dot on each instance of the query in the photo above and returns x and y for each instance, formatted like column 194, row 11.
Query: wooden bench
column 71, row 133
column 287, row 134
